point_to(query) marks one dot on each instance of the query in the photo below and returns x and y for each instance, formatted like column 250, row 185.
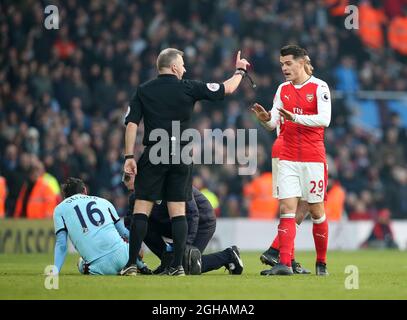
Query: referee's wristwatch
column 241, row 71
column 129, row 156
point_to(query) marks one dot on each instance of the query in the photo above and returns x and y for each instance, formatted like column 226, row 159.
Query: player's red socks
column 286, row 236
column 293, row 251
column 275, row 244
column 320, row 233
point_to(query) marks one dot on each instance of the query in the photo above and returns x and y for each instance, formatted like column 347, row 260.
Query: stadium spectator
column 36, row 199
column 63, row 46
column 397, row 34
column 259, row 194
column 371, row 21
column 394, row 8
column 382, row 234
column 213, row 199
column 337, row 7
column 360, row 212
column 3, row 195
column 335, row 204
column 346, row 76
column 15, row 171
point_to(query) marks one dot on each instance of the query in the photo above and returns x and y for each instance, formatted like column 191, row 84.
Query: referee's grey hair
column 166, row 57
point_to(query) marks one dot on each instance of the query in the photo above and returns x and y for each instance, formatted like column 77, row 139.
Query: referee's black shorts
column 167, row 182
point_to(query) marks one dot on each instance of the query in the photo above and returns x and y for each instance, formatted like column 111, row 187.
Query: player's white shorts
column 306, row 180
column 274, row 170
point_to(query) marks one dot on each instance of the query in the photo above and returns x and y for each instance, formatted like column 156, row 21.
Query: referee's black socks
column 138, row 231
column 179, row 228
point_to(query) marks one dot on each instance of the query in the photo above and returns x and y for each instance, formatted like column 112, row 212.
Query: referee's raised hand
column 241, row 71
column 241, row 63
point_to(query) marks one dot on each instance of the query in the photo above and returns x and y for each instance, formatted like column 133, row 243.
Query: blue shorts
column 110, row 264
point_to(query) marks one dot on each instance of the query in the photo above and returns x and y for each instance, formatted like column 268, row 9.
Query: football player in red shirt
column 305, row 104
column 272, row 255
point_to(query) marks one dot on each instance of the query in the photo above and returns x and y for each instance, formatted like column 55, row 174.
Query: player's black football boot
column 172, row 271
column 270, row 257
column 278, row 270
column 194, row 262
column 298, row 269
column 235, row 266
column 145, row 270
column 166, row 260
column 159, row 269
column 321, row 269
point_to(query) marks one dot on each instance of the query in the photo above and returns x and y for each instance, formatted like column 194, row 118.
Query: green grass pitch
column 382, row 275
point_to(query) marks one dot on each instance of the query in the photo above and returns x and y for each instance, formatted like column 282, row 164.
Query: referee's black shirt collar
column 167, row 75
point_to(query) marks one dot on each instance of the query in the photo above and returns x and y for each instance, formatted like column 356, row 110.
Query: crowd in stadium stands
column 64, row 94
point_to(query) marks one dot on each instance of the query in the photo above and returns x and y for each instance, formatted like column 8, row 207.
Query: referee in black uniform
column 160, row 102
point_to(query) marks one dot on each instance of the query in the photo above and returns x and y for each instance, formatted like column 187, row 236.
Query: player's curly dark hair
column 73, row 186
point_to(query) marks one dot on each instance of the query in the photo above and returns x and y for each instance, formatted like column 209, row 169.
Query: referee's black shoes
column 235, row 266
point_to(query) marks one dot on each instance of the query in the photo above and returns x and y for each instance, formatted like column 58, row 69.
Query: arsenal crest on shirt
column 310, row 97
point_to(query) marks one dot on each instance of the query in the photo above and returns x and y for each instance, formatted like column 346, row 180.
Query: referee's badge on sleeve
column 213, row 86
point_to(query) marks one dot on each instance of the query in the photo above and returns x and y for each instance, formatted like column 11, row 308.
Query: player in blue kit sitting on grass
column 95, row 230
